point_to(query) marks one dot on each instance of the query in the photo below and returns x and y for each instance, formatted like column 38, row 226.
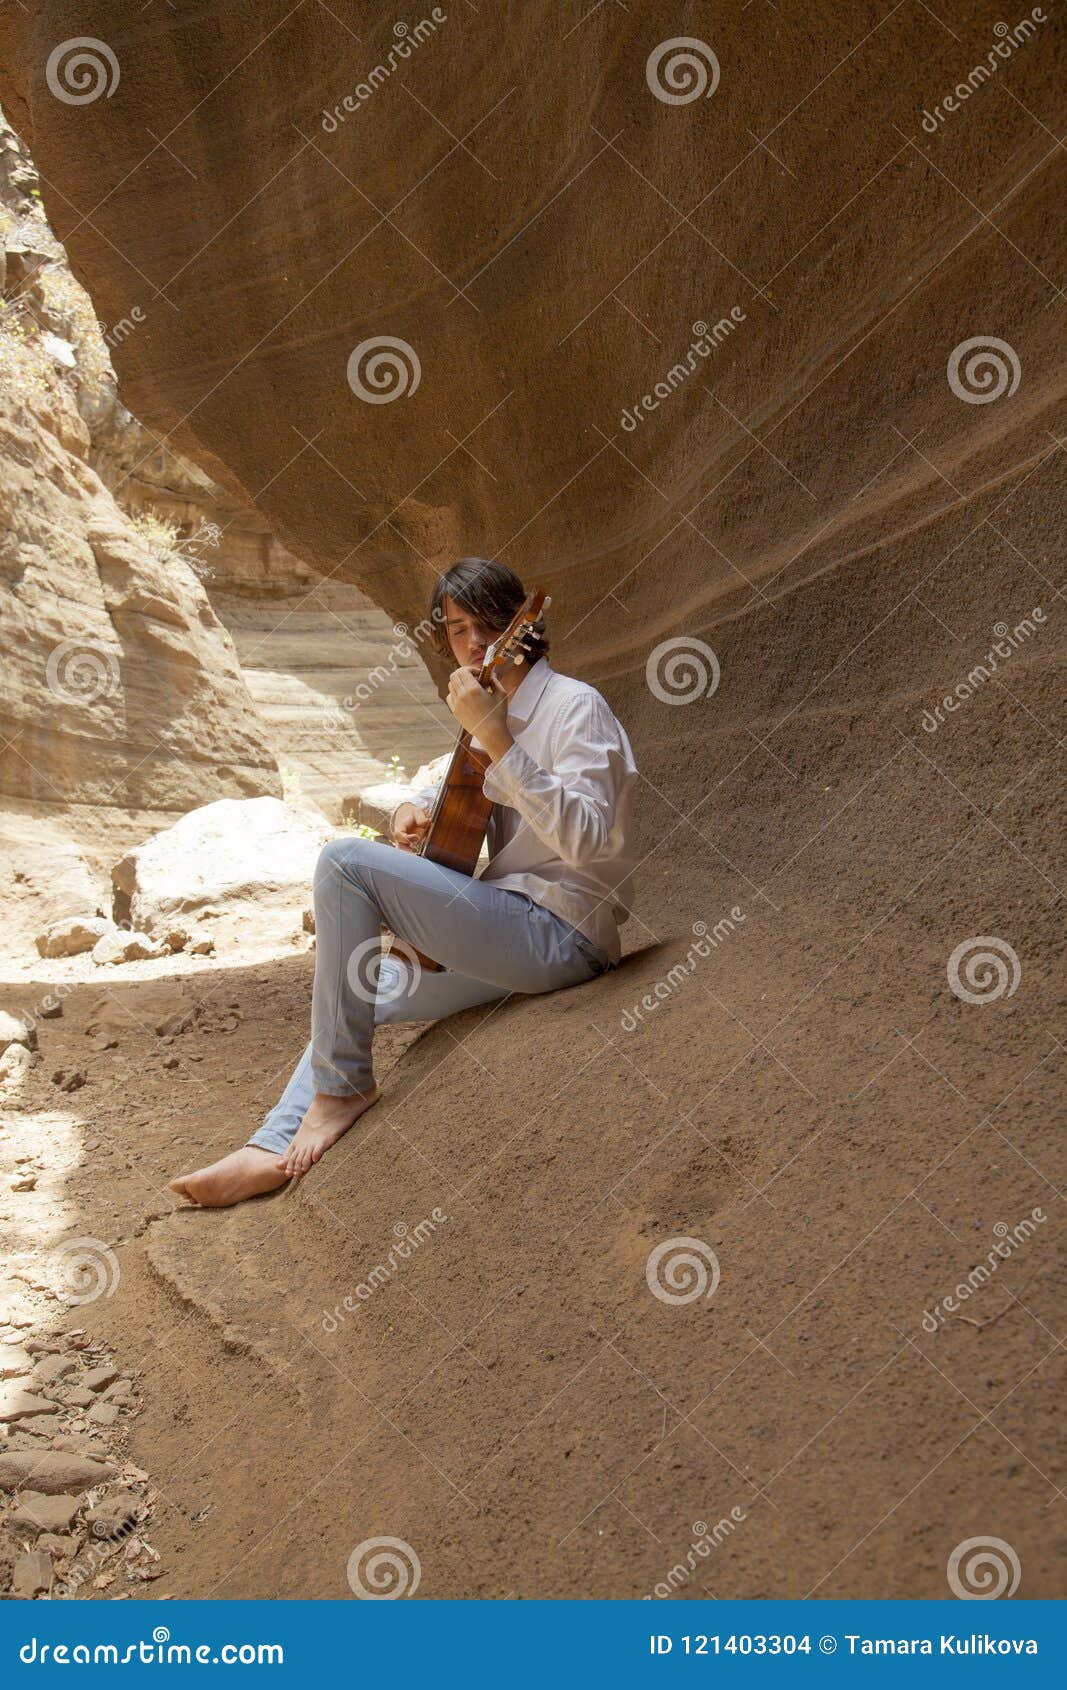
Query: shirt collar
column 523, row 702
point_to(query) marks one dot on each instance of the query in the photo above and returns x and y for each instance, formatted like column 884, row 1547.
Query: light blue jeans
column 491, row 943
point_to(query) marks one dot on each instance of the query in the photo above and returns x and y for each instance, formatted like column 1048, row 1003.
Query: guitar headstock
column 509, row 647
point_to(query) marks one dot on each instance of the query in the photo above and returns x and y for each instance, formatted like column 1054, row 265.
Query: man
column 544, row 913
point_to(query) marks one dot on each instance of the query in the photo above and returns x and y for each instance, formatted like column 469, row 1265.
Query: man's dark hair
column 489, row 592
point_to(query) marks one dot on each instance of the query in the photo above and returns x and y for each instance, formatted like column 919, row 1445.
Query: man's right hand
column 410, row 823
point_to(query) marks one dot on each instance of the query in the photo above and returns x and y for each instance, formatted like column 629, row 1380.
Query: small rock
column 202, row 945
column 63, row 1546
column 117, row 946
column 170, row 1062
column 51, row 1008
column 172, row 1025
column 307, row 921
column 113, row 1513
column 14, row 1362
column 69, row 1079
column 72, row 936
column 40, row 1512
column 16, row 1403
column 32, row 1575
column 104, row 1413
column 78, row 1397
column 54, row 1367
column 175, row 939
column 24, row 1182
column 15, row 1031
column 105, row 1041
column 98, row 1377
column 121, row 1388
column 39, row 1425
column 15, row 1064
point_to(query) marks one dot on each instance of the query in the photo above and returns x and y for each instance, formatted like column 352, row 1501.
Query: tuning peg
column 519, row 660
column 547, row 602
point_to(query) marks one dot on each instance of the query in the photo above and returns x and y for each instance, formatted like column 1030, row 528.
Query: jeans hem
column 257, row 1142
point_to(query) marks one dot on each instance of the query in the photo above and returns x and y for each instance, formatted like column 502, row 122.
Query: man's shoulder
column 570, row 699
column 568, row 689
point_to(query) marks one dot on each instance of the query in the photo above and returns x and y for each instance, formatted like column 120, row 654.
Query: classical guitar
column 460, row 814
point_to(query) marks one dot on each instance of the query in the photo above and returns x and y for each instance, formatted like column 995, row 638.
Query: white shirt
column 561, row 826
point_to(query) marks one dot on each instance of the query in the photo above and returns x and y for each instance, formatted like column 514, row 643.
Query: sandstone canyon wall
column 123, row 701
column 131, row 580
column 752, row 345
column 542, row 232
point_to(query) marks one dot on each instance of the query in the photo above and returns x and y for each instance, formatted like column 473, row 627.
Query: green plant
column 25, row 372
column 160, row 537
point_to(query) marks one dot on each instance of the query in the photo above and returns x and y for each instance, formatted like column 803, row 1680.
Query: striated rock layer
column 131, row 579
column 859, row 520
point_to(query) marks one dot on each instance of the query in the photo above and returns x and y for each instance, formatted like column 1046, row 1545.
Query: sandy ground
column 812, row 1103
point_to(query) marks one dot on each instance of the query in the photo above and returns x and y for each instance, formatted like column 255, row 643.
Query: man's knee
column 343, row 857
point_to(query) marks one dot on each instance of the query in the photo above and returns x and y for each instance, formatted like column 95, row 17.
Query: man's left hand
column 482, row 711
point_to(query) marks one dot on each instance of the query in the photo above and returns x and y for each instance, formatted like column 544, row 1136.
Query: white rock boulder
column 256, row 853
column 374, row 805
column 117, row 945
column 15, row 1031
column 72, row 935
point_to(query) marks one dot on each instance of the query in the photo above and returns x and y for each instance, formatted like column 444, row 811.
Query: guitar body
column 458, row 829
column 461, row 813
column 460, row 819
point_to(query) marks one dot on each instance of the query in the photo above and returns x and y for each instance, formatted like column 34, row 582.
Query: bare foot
column 245, row 1173
column 325, row 1121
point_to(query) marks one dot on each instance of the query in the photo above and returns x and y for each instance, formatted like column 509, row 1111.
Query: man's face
column 468, row 639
